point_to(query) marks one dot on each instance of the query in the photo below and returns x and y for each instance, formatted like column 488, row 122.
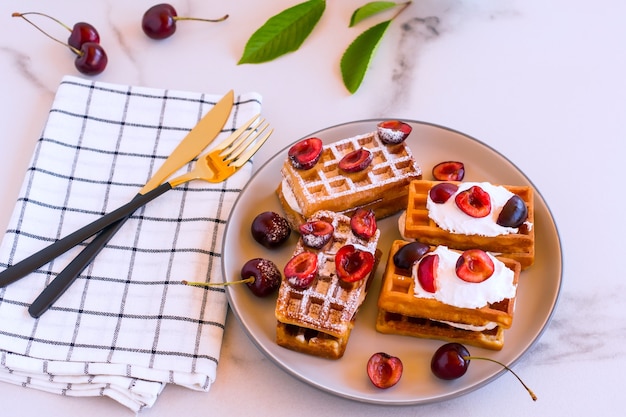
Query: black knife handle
column 45, row 255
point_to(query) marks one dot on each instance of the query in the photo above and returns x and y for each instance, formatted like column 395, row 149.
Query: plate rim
column 466, row 390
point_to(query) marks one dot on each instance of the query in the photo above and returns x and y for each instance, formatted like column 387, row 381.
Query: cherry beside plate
column 536, row 298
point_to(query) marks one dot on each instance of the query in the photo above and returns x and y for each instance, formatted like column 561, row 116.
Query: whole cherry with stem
column 91, row 59
column 451, row 361
column 159, row 21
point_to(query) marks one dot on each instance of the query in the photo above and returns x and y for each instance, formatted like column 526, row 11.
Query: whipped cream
column 290, row 197
column 450, row 217
column 490, row 325
column 454, row 291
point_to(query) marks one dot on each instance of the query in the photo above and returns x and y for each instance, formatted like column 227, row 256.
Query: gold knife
column 195, row 142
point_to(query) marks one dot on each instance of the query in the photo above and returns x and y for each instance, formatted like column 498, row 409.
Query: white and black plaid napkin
column 127, row 326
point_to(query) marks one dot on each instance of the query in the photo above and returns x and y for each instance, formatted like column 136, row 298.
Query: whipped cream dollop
column 450, row 217
column 454, row 291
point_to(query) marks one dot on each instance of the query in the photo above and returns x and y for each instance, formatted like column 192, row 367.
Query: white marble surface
column 541, row 82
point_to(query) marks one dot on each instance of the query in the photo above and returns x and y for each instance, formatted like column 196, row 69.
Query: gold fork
column 216, row 166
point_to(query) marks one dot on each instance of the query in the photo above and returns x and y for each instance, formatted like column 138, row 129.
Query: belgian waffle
column 318, row 320
column 400, row 311
column 418, row 225
column 326, row 187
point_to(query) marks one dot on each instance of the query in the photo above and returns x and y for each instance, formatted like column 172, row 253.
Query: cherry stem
column 217, row 284
column 45, row 15
column 532, row 394
column 22, row 15
column 221, row 19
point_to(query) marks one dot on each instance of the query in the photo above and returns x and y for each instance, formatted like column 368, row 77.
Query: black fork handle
column 64, row 280
column 45, row 255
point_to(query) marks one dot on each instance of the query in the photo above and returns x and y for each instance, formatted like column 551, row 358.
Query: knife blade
column 196, row 140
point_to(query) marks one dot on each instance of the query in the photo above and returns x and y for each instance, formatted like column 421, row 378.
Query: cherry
column 514, row 213
column 270, row 229
column 301, row 270
column 474, row 202
column 356, row 160
column 441, row 192
column 353, row 264
column 363, row 223
column 408, row 254
column 91, row 59
column 261, row 275
column 305, row 153
column 384, row 370
column 474, row 265
column 315, row 234
column 393, row 132
column 451, row 360
column 449, row 171
column 427, row 272
column 159, row 21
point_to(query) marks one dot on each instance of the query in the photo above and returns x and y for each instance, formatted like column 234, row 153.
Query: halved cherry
column 305, row 153
column 441, row 192
column 474, row 265
column 363, row 223
column 384, row 370
column 474, row 202
column 315, row 234
column 449, row 171
column 427, row 272
column 514, row 212
column 301, row 270
column 392, row 132
column 408, row 254
column 353, row 264
column 356, row 160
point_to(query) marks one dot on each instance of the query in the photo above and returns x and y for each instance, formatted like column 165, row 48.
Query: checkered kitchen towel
column 127, row 326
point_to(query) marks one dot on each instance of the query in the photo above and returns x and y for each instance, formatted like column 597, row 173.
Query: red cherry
column 474, row 265
column 449, row 171
column 356, row 160
column 441, row 192
column 305, row 153
column 451, row 361
column 514, row 212
column 384, row 370
column 427, row 272
column 301, row 270
column 266, row 275
column 474, row 202
column 82, row 33
column 159, row 21
column 353, row 264
column 363, row 223
column 408, row 254
column 270, row 229
column 316, row 234
column 392, row 132
column 92, row 59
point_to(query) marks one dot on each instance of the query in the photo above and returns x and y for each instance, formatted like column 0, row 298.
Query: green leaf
column 357, row 57
column 283, row 33
column 370, row 9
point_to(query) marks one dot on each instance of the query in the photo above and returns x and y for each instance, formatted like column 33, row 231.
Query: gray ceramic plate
column 537, row 294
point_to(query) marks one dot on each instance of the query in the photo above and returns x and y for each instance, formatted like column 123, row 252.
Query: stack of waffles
column 318, row 320
column 326, row 187
column 402, row 310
